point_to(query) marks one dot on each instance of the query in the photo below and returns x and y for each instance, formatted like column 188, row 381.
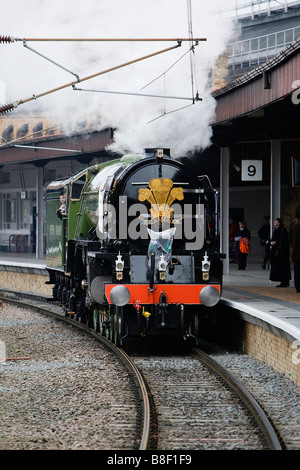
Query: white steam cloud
column 139, row 121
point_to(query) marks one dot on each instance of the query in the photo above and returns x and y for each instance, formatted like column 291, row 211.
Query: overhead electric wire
column 9, row 39
column 33, row 134
column 191, row 51
column 170, row 112
column 35, row 147
column 9, row 107
column 166, row 71
column 134, row 94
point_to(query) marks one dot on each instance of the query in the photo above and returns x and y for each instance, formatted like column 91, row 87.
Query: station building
column 256, row 125
column 34, row 152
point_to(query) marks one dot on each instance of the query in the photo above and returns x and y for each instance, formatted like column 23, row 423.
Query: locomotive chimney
column 156, row 152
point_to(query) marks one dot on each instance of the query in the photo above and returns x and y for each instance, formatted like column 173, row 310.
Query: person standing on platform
column 232, row 233
column 242, row 247
column 264, row 235
column 295, row 246
column 280, row 255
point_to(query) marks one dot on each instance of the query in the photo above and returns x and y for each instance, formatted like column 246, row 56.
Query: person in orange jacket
column 242, row 249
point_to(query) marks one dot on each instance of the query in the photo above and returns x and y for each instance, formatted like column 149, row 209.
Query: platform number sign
column 252, row 170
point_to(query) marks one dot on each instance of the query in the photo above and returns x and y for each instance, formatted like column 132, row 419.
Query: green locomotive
column 133, row 246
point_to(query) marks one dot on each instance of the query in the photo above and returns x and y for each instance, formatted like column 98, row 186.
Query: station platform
column 21, row 262
column 250, row 292
column 259, row 300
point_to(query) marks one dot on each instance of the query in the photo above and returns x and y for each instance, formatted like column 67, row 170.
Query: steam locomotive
column 133, row 246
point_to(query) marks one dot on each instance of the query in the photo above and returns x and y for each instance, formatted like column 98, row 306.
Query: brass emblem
column 161, row 195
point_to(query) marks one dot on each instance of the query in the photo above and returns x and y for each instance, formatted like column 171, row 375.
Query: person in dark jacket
column 264, row 235
column 232, row 233
column 241, row 255
column 295, row 245
column 280, row 255
column 62, row 209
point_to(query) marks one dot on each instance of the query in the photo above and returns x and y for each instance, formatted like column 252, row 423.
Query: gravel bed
column 72, row 392
column 195, row 410
column 277, row 394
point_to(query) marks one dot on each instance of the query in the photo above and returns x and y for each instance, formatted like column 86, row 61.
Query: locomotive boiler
column 133, row 246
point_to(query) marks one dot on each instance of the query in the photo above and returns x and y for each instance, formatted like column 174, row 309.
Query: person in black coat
column 295, row 246
column 264, row 235
column 241, row 256
column 280, row 255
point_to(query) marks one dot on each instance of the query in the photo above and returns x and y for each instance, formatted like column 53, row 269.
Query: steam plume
column 139, row 122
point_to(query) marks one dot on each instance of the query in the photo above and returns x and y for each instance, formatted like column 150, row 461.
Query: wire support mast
column 192, row 47
column 9, row 107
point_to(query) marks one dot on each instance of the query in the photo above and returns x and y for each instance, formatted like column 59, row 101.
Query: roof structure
column 262, row 104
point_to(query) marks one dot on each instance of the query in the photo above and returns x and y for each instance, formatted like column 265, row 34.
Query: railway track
column 99, row 388
column 198, row 405
column 266, row 428
column 202, row 407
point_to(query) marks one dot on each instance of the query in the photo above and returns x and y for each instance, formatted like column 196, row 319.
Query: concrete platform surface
column 252, row 292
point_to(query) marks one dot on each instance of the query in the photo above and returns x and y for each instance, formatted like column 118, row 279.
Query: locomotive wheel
column 78, row 311
column 117, row 326
column 111, row 328
column 96, row 321
column 196, row 325
column 107, row 333
column 88, row 316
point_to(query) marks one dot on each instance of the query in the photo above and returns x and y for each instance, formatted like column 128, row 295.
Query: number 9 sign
column 251, row 170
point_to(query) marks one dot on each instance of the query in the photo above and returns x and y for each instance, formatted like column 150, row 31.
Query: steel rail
column 120, row 353
column 255, row 409
column 145, row 441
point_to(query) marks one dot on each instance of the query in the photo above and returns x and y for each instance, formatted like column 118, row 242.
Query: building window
column 4, row 177
column 77, row 187
column 15, row 212
column 9, row 211
column 23, row 214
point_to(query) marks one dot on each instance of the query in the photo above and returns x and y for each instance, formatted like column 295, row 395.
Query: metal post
column 39, row 215
column 275, row 181
column 224, row 205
